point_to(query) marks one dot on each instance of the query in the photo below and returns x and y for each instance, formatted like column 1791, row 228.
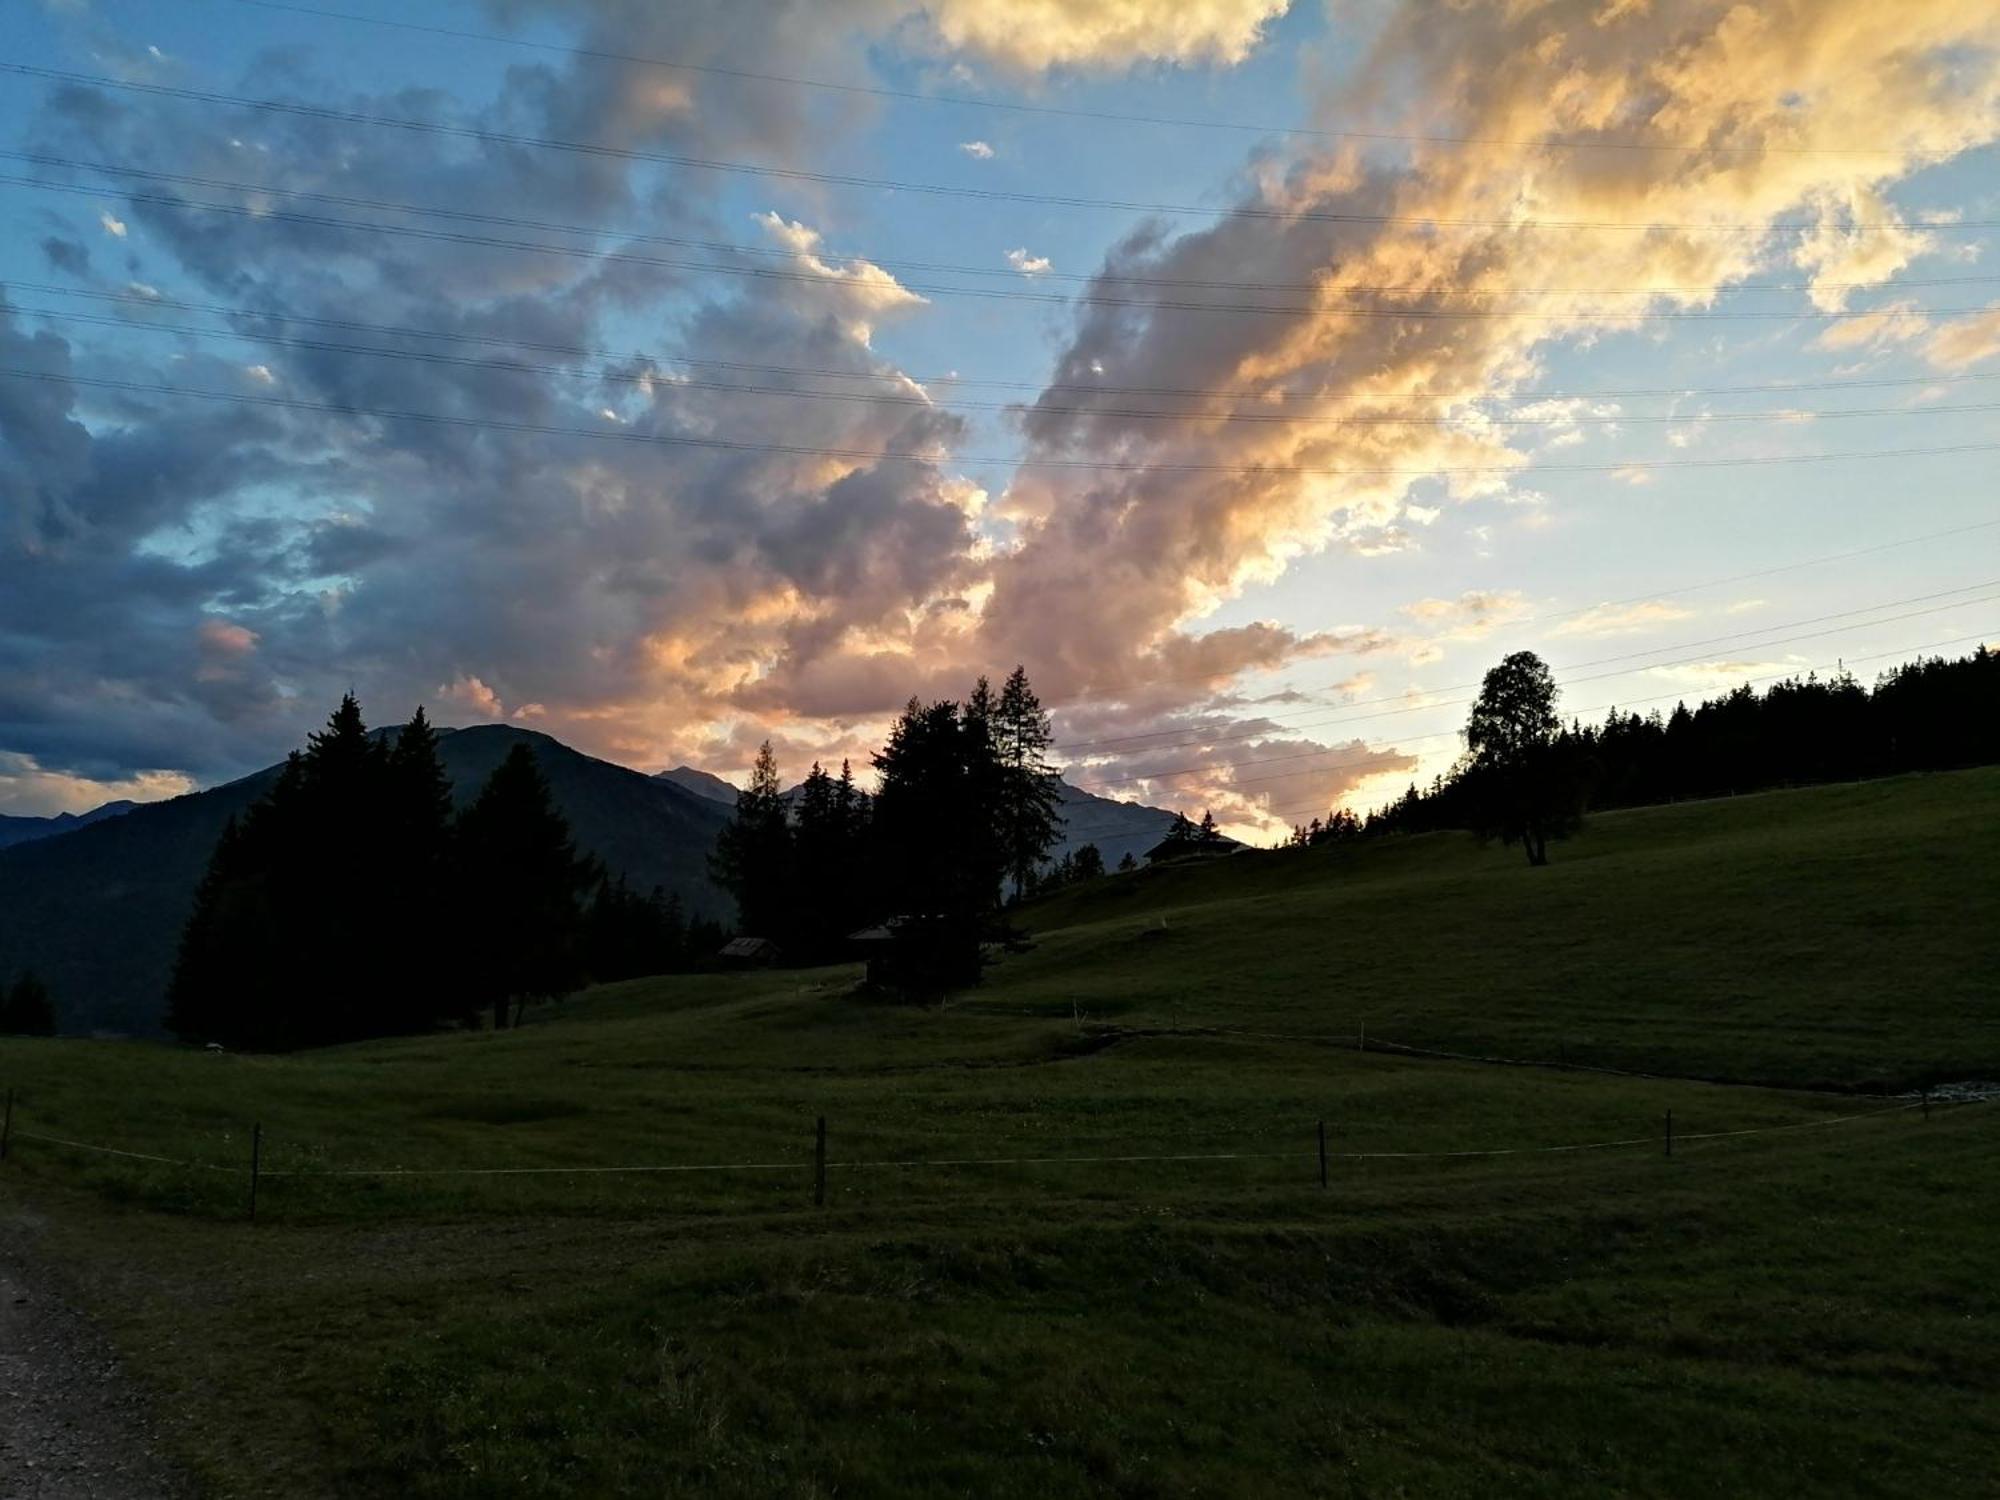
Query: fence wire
column 807, row 1164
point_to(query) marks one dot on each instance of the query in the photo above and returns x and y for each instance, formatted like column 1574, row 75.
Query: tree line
column 1528, row 777
column 352, row 901
column 963, row 815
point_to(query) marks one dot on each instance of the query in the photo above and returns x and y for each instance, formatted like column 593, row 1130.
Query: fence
column 254, row 1173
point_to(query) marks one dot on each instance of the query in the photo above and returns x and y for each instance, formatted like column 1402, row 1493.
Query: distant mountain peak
column 701, row 783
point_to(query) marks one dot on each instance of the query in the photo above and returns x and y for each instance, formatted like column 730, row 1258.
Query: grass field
column 1806, row 1308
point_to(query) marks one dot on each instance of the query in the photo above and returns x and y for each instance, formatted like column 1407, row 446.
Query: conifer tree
column 753, row 853
column 1030, row 820
column 521, row 882
column 415, row 819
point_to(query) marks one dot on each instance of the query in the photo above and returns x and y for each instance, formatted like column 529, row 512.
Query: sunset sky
column 1257, row 375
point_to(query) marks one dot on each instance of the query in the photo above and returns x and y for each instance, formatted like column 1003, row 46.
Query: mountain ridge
column 97, row 912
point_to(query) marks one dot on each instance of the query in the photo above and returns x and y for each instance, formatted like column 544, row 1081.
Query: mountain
column 701, row 783
column 97, row 912
column 1117, row 828
column 15, row 830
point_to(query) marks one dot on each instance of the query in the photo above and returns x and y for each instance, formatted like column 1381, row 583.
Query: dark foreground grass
column 1804, row 1309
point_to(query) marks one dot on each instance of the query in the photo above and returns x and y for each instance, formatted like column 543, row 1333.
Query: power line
column 618, row 434
column 793, row 276
column 153, row 301
column 892, row 263
column 947, row 190
column 1292, row 815
column 647, row 379
column 1594, row 677
column 1201, row 739
column 1072, row 112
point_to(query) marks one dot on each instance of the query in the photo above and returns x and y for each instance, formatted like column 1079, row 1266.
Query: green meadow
column 1075, row 1240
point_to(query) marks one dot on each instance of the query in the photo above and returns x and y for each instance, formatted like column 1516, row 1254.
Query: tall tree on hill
column 330, row 893
column 26, row 1008
column 413, row 870
column 753, row 854
column 205, row 992
column 938, row 862
column 827, row 841
column 521, row 881
column 1029, row 803
column 1524, row 789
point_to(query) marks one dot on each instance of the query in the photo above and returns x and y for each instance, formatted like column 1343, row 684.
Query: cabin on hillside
column 1187, row 841
column 750, row 953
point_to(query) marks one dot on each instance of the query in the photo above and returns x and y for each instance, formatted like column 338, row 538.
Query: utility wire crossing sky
column 614, row 370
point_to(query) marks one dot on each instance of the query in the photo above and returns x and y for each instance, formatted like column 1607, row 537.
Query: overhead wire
column 569, row 49
column 648, row 379
column 152, row 299
column 1513, row 624
column 1292, row 815
column 266, row 214
column 1106, row 275
column 603, row 151
column 1594, row 677
column 616, row 433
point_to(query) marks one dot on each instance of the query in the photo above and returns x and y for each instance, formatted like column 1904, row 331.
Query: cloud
column 1111, row 563
column 113, row 226
column 1035, row 35
column 977, row 150
column 1473, row 614
column 1029, row 265
column 469, row 695
column 28, row 790
column 658, row 600
column 1901, row 322
column 1622, row 619
column 1964, row 342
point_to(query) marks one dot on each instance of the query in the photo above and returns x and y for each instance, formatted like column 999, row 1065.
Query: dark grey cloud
column 186, row 583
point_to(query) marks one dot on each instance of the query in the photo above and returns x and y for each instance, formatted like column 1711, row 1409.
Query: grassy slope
column 1770, row 1313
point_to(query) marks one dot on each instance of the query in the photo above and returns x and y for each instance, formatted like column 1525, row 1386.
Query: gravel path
column 71, row 1427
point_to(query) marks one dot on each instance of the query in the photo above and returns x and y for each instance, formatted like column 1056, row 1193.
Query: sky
column 671, row 378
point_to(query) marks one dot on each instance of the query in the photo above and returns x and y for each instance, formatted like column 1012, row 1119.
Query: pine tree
column 203, row 994
column 412, row 863
column 818, row 842
column 1030, row 820
column 753, row 854
column 521, row 883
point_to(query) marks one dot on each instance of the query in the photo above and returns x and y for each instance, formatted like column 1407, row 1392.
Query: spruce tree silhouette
column 521, row 882
column 753, row 854
column 1030, row 820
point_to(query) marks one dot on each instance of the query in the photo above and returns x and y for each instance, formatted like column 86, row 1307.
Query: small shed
column 877, row 945
column 750, row 952
column 1213, row 847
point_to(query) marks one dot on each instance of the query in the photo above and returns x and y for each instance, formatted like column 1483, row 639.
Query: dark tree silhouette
column 26, row 1008
column 1525, row 790
column 521, row 882
column 938, row 863
column 1087, row 863
column 753, row 855
column 1028, row 796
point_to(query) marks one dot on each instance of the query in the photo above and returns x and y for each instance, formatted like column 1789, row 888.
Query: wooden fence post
column 1322, row 1153
column 819, row 1165
column 256, row 1165
column 7, row 1126
column 1927, row 1106
column 1670, row 1132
